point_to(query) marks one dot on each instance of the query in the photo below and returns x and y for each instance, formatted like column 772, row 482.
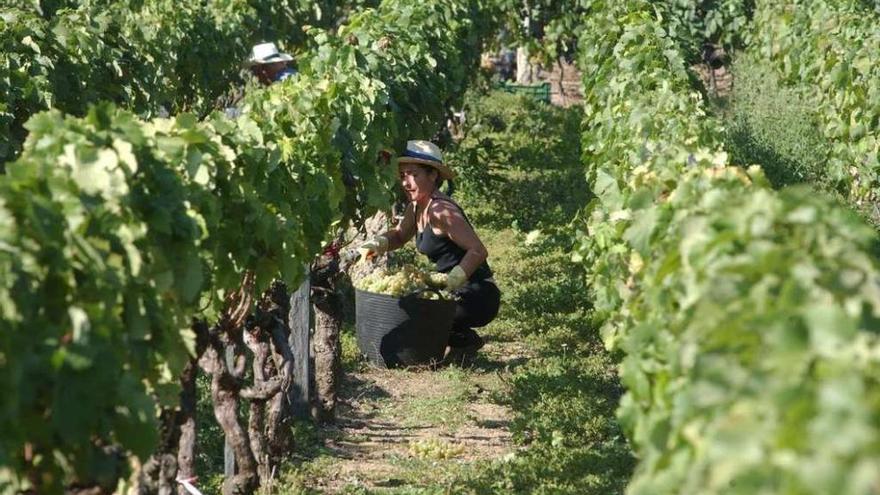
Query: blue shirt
column 284, row 74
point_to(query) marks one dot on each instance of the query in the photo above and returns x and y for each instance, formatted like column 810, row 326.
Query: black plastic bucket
column 405, row 331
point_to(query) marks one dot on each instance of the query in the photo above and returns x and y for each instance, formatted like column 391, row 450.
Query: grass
column 770, row 124
column 444, row 404
column 565, row 396
column 521, row 193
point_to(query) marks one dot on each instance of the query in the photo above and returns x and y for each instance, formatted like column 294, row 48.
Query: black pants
column 477, row 305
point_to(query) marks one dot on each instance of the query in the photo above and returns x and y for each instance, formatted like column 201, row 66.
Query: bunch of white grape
column 402, row 281
column 435, row 449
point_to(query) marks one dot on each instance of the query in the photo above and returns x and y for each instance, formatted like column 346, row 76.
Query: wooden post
column 228, row 452
column 299, row 346
column 525, row 71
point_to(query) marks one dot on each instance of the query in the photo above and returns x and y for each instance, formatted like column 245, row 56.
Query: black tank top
column 444, row 253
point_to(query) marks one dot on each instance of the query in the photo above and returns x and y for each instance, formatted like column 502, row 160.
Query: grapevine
column 153, row 58
column 118, row 229
column 703, row 275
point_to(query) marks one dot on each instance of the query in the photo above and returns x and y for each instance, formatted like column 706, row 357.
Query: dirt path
column 393, row 424
column 443, row 431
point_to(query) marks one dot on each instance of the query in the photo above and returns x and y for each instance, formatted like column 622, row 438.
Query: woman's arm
column 405, row 230
column 448, row 218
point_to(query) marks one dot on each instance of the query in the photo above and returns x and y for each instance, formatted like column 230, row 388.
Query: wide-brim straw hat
column 425, row 153
column 266, row 53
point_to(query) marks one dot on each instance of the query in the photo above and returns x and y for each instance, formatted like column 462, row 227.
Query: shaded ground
column 448, row 416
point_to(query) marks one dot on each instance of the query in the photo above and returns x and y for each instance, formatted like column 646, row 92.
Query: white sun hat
column 425, row 153
column 266, row 53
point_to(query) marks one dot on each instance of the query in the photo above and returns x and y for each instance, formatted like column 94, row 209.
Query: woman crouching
column 444, row 234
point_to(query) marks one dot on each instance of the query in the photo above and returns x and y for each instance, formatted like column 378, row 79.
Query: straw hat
column 425, row 153
column 266, row 53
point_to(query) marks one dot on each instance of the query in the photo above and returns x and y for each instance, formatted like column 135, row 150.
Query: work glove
column 456, row 278
column 377, row 245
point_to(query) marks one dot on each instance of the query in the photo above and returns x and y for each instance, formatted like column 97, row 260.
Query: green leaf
column 642, row 228
column 188, row 278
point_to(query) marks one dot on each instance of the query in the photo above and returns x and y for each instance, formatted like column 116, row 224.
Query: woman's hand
column 456, row 278
column 375, row 246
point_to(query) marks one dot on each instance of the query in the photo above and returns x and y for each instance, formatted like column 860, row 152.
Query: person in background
column 444, row 234
column 507, row 64
column 269, row 65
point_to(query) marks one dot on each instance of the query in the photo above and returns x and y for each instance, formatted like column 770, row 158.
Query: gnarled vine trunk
column 225, row 388
column 262, row 391
column 175, row 457
column 327, row 302
column 275, row 306
column 327, row 348
column 158, row 474
column 186, row 452
column 226, row 385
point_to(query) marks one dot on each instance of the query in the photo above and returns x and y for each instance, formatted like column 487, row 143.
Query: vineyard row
column 117, row 231
column 748, row 317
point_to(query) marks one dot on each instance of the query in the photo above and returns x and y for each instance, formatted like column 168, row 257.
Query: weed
column 771, row 124
column 352, row 359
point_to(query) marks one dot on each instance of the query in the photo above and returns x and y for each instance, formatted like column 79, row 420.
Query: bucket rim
column 390, row 298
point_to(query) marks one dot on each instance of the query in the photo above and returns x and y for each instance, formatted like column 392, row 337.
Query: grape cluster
column 403, row 281
column 435, row 449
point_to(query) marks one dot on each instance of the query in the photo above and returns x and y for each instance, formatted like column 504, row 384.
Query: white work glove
column 456, row 278
column 376, row 245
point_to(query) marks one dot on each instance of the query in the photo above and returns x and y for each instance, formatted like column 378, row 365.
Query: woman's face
column 418, row 181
